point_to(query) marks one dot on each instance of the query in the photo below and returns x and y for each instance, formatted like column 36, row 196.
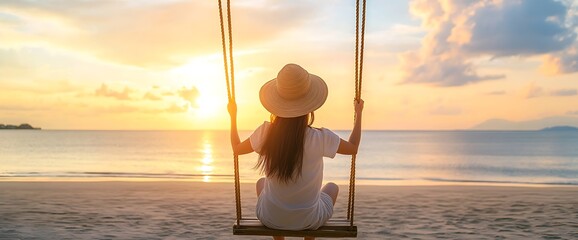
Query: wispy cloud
column 461, row 32
column 533, row 91
column 128, row 108
column 117, row 109
column 446, row 110
column 145, row 33
column 572, row 112
column 48, row 87
column 496, row 93
column 20, row 108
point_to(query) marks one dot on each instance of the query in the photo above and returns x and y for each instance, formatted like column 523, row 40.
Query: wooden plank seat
column 334, row 228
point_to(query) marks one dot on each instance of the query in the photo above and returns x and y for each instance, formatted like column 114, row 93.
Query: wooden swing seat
column 334, row 228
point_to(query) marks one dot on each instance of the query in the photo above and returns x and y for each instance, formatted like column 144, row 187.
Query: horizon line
column 369, row 130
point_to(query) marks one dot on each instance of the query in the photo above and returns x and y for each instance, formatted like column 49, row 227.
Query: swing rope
column 230, row 79
column 358, row 81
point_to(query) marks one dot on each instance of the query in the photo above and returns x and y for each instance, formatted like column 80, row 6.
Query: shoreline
column 376, row 183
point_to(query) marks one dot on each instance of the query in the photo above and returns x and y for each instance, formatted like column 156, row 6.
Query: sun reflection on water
column 206, row 167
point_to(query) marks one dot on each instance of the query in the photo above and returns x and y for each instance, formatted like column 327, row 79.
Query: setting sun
column 206, row 75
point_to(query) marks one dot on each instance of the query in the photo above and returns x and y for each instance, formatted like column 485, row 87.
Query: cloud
column 564, row 92
column 151, row 96
column 145, row 33
column 104, row 91
column 562, row 62
column 176, row 108
column 533, row 91
column 190, row 95
column 463, row 32
column 572, row 112
column 517, row 28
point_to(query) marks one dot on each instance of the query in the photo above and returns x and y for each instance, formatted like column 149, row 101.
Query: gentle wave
column 127, row 175
column 573, row 183
column 448, row 180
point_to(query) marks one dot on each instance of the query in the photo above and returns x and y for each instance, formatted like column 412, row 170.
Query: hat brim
column 286, row 108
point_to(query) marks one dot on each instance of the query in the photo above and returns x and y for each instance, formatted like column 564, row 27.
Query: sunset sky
column 150, row 64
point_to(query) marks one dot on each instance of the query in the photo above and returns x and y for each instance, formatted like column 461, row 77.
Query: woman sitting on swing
column 291, row 152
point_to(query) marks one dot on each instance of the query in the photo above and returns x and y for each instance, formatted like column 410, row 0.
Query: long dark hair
column 281, row 156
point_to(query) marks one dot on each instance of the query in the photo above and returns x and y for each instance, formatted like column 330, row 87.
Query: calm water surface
column 386, row 157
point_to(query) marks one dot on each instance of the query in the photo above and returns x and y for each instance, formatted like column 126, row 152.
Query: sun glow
column 208, row 105
column 206, row 75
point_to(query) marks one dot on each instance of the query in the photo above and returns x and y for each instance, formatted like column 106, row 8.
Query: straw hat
column 294, row 92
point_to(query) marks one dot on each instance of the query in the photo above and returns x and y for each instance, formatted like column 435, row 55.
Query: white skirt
column 295, row 219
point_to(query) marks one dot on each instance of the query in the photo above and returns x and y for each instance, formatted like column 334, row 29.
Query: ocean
column 385, row 157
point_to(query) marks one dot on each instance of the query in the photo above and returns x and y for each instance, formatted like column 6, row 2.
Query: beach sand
column 196, row 210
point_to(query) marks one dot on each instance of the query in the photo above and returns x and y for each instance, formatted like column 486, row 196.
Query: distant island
column 24, row 126
column 560, row 129
column 497, row 124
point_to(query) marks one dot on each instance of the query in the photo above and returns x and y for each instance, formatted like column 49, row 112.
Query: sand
column 196, row 210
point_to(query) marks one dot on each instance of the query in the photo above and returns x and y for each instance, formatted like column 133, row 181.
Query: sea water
column 385, row 157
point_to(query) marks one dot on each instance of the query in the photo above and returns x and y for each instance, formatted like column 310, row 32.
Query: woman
column 291, row 152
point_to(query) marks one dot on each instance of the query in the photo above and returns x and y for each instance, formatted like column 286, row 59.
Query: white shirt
column 301, row 204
